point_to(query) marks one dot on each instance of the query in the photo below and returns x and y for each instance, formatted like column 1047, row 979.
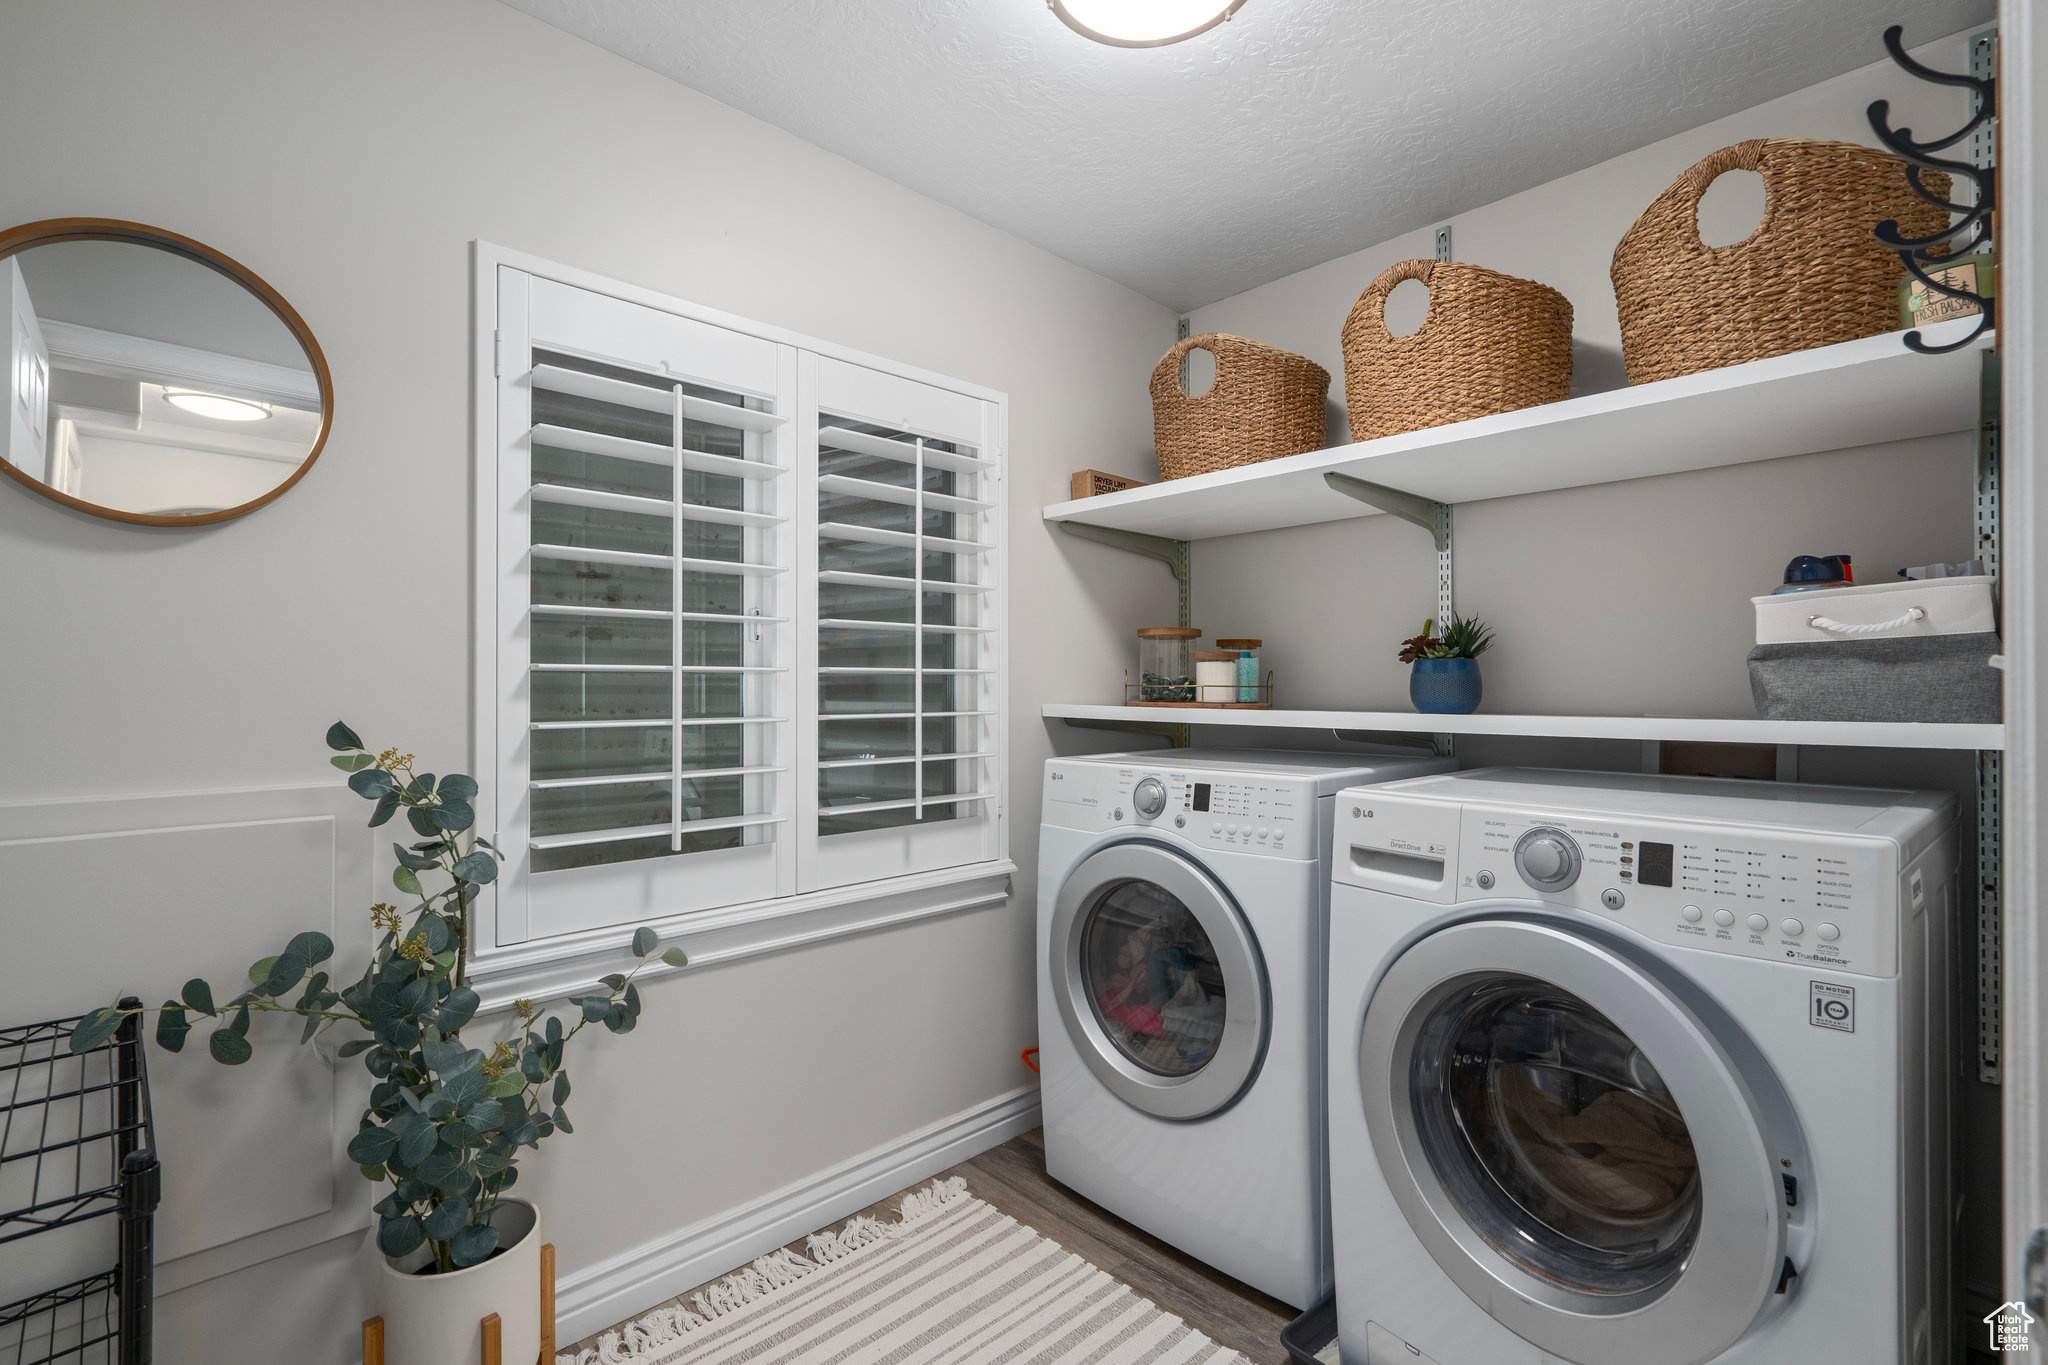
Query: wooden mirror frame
column 53, row 230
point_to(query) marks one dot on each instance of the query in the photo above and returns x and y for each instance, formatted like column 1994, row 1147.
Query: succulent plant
column 1464, row 637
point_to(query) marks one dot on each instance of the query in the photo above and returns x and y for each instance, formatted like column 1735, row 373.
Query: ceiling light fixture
column 1142, row 23
column 218, row 406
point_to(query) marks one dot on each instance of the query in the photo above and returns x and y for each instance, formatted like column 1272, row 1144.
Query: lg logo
column 1361, row 813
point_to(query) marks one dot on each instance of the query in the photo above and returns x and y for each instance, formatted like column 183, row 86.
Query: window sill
column 548, row 969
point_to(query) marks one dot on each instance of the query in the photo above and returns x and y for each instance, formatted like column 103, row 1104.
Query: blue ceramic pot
column 1445, row 687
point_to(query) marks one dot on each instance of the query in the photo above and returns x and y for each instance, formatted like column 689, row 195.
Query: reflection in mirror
column 148, row 385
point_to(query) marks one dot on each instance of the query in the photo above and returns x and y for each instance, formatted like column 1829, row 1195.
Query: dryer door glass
column 1153, row 978
column 1159, row 981
column 1558, row 1140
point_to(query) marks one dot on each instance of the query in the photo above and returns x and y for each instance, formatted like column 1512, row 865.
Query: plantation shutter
column 902, row 584
column 646, row 562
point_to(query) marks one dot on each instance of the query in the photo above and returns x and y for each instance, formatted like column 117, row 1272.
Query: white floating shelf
column 1860, row 734
column 1831, row 398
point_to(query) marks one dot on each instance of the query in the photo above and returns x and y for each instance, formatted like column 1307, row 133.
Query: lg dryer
column 1181, row 936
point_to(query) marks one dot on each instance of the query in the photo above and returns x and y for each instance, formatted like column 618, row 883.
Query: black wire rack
column 76, row 1144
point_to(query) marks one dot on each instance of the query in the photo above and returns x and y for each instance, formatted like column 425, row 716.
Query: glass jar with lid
column 1215, row 676
column 1247, row 652
column 1166, row 663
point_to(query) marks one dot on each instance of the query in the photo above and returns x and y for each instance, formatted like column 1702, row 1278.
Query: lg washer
column 1632, row 1070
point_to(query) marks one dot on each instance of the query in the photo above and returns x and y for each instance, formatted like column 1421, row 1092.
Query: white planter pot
column 438, row 1319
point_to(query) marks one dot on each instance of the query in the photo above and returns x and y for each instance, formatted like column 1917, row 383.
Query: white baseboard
column 612, row 1291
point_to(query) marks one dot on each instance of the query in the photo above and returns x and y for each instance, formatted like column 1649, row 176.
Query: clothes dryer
column 1181, row 939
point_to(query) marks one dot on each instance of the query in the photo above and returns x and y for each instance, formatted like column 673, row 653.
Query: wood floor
column 1012, row 1178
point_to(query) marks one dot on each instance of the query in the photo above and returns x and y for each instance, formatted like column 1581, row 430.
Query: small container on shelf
column 1166, row 663
column 1247, row 667
column 1205, row 691
column 1216, row 676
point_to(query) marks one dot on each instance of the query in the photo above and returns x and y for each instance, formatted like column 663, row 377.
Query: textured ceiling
column 1299, row 131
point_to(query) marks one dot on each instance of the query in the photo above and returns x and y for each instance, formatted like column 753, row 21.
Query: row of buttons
column 1791, row 928
column 1278, row 836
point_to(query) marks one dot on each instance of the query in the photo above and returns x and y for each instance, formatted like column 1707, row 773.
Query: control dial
column 1150, row 797
column 1547, row 859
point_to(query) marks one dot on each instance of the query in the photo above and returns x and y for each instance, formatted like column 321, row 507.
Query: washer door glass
column 1153, row 978
column 1556, row 1136
column 1571, row 1141
column 1159, row 981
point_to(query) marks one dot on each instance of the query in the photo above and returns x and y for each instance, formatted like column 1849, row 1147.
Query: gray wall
column 1622, row 599
column 1625, row 599
column 372, row 142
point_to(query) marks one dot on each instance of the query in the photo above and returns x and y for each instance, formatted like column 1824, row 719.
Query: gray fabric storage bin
column 1913, row 678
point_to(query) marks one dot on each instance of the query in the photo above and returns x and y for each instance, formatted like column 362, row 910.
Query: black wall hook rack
column 1972, row 229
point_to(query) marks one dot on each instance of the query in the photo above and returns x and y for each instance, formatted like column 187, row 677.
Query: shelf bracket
column 1172, row 553
column 1433, row 517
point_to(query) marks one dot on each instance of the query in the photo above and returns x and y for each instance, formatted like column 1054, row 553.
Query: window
column 747, row 615
column 903, row 621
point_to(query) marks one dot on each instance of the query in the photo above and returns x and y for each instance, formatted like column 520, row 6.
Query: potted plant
column 447, row 1122
column 1445, row 677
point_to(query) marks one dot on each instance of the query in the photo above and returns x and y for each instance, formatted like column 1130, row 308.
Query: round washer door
column 1159, row 981
column 1571, row 1144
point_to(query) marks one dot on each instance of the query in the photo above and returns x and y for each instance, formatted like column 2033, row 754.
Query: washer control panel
column 1760, row 893
column 1250, row 812
column 1812, row 900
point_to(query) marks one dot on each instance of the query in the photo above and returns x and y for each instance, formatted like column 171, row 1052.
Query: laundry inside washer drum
column 1556, row 1137
column 1153, row 978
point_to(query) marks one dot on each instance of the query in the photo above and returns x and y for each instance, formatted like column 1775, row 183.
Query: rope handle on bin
column 1829, row 623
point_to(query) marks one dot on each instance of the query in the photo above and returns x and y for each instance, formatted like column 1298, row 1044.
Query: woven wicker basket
column 1811, row 275
column 1492, row 343
column 1265, row 403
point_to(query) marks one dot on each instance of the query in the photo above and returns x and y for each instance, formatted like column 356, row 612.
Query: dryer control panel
column 1248, row 812
column 1817, row 901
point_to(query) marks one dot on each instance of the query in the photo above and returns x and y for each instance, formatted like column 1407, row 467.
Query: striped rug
column 954, row 1281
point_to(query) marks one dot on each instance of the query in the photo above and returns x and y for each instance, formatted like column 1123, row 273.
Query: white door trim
column 2022, row 242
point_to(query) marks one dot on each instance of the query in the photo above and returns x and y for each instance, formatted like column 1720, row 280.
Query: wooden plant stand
column 494, row 1350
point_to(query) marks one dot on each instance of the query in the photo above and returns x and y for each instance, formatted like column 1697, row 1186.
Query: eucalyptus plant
column 446, row 1121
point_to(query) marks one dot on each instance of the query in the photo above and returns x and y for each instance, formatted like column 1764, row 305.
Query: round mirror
column 150, row 379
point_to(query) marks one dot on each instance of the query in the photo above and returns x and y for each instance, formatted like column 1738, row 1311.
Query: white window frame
column 534, row 310
column 512, row 955
column 866, row 393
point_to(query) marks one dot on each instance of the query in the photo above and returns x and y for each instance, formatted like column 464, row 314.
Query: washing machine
column 1632, row 1070
column 1182, row 901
